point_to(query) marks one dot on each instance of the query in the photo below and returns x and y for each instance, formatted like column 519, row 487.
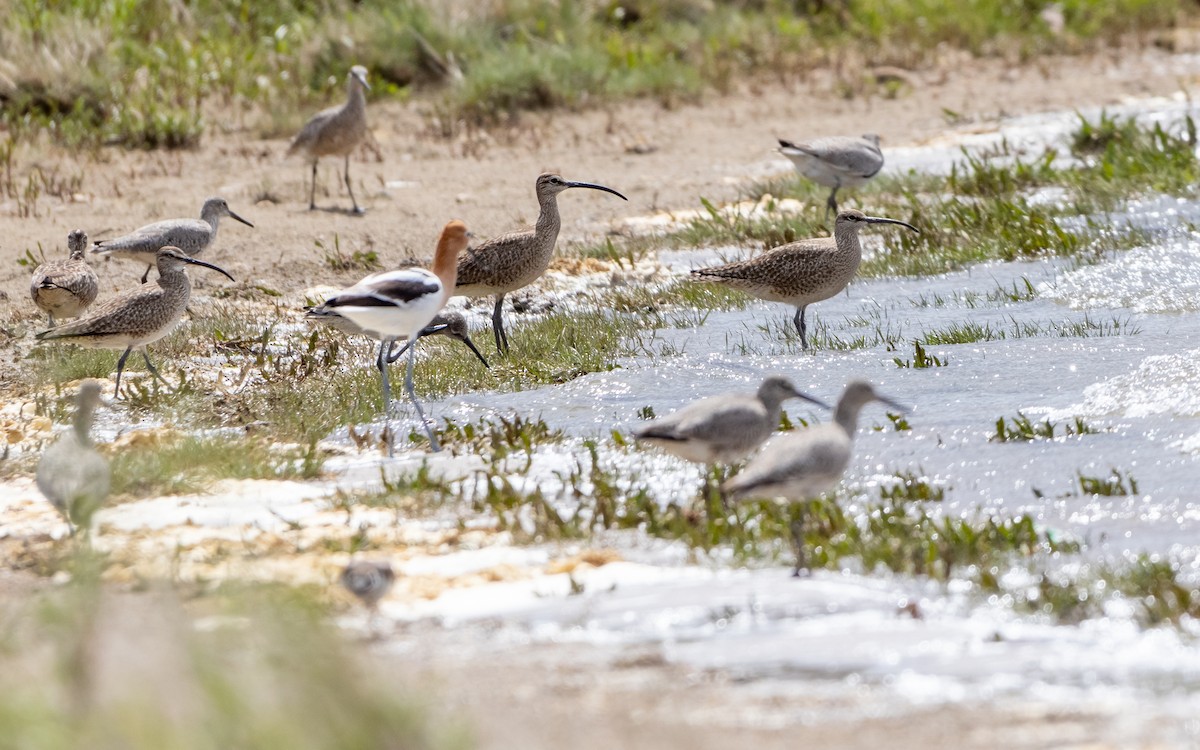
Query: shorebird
column 449, row 323
column 368, row 580
column 191, row 236
column 399, row 304
column 506, row 263
column 137, row 317
column 336, row 132
column 802, row 272
column 71, row 474
column 723, row 429
column 836, row 162
column 65, row 287
column 801, row 466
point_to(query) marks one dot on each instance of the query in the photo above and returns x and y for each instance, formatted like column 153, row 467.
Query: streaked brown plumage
column 511, row 261
column 65, row 288
column 802, row 272
column 336, row 132
column 137, row 317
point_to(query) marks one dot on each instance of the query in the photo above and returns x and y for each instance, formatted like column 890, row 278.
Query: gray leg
column 146, row 275
column 801, row 328
column 349, row 189
column 312, row 190
column 498, row 325
column 381, row 362
column 120, row 369
column 152, row 369
column 412, row 393
column 831, row 204
column 398, row 353
column 798, row 543
column 51, row 317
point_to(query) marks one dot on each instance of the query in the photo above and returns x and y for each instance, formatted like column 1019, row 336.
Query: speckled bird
column 800, row 466
column 65, row 288
column 511, row 261
column 336, row 131
column 802, row 272
column 190, row 236
column 137, row 317
column 836, row 162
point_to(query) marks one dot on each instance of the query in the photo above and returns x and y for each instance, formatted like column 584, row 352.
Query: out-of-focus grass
column 84, row 666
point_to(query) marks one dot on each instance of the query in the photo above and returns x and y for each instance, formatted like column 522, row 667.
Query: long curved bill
column 393, row 356
column 882, row 220
column 594, row 186
column 232, row 215
column 471, row 345
column 195, row 262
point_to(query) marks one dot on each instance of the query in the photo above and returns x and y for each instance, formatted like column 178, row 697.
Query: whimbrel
column 191, row 236
column 336, row 132
column 368, row 580
column 449, row 323
column 802, row 272
column 71, row 474
column 723, row 429
column 801, row 466
column 401, row 304
column 506, row 263
column 137, row 317
column 836, row 162
column 65, row 287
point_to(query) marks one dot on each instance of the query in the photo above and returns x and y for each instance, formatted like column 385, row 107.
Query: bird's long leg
column 51, row 323
column 381, row 363
column 396, row 354
column 349, row 189
column 312, row 190
column 801, row 327
column 831, row 204
column 498, row 325
column 146, row 275
column 412, row 392
column 153, row 370
column 798, row 540
column 120, row 369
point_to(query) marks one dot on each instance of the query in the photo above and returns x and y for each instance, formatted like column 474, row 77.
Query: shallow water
column 839, row 632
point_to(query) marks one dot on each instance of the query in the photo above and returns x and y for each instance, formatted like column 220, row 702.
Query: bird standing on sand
column 397, row 304
column 511, row 261
column 65, row 288
column 191, row 236
column 71, row 474
column 802, row 272
column 801, row 466
column 336, row 132
column 138, row 317
column 723, row 429
column 836, row 162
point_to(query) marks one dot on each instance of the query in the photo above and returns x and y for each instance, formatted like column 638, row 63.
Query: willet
column 71, row 474
column 723, row 429
column 449, row 323
column 336, row 132
column 802, row 272
column 506, row 263
column 191, row 236
column 402, row 303
column 137, row 317
column 836, row 162
column 368, row 580
column 803, row 465
column 65, row 287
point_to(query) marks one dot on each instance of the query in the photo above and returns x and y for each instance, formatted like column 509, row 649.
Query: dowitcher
column 802, row 272
column 511, row 261
column 71, row 474
column 836, row 162
column 191, row 236
column 137, row 317
column 799, row 467
column 336, row 132
column 402, row 303
column 65, row 288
